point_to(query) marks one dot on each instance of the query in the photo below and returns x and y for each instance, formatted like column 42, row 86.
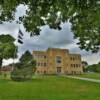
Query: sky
column 47, row 38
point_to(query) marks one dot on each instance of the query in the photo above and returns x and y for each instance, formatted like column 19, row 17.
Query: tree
column 25, row 68
column 7, row 47
column 26, row 57
column 99, row 63
column 93, row 68
column 84, row 15
column 85, row 65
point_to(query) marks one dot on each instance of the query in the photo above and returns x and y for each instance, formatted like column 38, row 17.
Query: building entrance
column 58, row 70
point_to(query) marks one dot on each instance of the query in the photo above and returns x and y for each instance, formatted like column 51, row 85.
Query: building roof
column 72, row 54
column 56, row 49
column 39, row 52
column 44, row 52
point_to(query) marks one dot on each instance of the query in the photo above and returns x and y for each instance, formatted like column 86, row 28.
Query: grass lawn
column 90, row 75
column 49, row 88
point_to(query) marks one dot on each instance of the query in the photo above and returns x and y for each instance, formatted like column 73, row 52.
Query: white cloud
column 92, row 59
column 9, row 61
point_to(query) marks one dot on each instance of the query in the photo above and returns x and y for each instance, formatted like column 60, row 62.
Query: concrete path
column 81, row 78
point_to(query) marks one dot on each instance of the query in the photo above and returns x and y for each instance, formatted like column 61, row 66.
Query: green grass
column 49, row 88
column 90, row 75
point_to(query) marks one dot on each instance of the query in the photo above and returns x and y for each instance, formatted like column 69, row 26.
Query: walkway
column 81, row 78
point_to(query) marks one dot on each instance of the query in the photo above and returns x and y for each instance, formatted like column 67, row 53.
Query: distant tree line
column 92, row 68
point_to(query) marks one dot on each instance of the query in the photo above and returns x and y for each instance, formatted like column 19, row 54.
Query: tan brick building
column 57, row 61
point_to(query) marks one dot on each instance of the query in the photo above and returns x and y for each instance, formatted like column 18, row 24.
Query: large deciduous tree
column 84, row 15
column 25, row 68
column 7, row 47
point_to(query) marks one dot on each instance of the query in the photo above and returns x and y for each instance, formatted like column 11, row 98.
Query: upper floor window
column 71, row 65
column 72, row 58
column 45, row 57
column 58, row 59
column 76, row 65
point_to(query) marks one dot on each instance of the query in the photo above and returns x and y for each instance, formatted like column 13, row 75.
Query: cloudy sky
column 47, row 38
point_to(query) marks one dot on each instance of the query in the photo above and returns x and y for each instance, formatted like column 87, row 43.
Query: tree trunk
column 0, row 63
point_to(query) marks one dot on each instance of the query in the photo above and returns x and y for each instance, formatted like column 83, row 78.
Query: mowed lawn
column 90, row 75
column 49, row 88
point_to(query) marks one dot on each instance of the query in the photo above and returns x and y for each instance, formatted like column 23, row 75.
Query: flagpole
column 15, row 52
column 19, row 40
column 14, row 57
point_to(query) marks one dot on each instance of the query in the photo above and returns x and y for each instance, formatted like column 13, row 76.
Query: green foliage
column 26, row 57
column 85, row 63
column 6, row 39
column 25, row 68
column 94, row 68
column 99, row 62
column 7, row 47
column 84, row 15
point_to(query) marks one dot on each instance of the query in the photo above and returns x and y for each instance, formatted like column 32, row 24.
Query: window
column 45, row 64
column 71, row 58
column 58, row 70
column 76, row 65
column 44, row 72
column 45, row 57
column 58, row 59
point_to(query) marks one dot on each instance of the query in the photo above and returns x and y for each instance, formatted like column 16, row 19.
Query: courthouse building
column 57, row 61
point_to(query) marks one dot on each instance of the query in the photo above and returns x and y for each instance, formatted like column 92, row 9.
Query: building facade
column 57, row 61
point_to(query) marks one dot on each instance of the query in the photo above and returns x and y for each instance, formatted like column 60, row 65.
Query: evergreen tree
column 25, row 69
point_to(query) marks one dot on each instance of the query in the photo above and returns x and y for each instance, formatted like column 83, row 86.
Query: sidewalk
column 81, row 78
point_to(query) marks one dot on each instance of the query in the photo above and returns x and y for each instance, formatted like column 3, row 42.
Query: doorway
column 58, row 70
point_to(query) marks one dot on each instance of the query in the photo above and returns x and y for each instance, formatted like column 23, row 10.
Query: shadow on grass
column 35, row 79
